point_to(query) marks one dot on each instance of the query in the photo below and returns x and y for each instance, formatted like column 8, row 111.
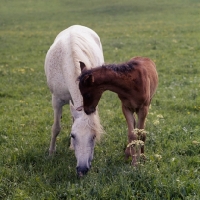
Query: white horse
column 71, row 47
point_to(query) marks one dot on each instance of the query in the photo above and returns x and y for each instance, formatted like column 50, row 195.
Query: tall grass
column 166, row 31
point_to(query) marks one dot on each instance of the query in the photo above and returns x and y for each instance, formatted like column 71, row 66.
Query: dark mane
column 118, row 68
column 123, row 67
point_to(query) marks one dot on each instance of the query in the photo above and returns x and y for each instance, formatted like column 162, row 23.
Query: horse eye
column 72, row 136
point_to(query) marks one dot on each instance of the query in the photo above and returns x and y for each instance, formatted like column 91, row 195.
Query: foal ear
column 82, row 66
column 88, row 79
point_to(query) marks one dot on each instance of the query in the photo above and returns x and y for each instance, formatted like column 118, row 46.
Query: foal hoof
column 139, row 160
column 134, row 163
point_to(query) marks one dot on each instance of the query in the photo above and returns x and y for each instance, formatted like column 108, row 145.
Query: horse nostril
column 81, row 171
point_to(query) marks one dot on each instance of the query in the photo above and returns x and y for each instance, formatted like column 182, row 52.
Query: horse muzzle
column 81, row 171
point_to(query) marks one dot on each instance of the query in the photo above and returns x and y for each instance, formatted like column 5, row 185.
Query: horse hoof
column 51, row 152
column 134, row 164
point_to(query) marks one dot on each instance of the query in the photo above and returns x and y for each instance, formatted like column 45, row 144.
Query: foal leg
column 57, row 107
column 142, row 113
column 131, row 136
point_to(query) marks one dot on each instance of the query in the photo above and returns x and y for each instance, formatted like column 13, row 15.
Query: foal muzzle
column 90, row 111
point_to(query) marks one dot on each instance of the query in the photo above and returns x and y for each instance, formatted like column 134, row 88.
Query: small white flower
column 173, row 159
column 158, row 156
column 160, row 116
column 195, row 142
column 156, row 122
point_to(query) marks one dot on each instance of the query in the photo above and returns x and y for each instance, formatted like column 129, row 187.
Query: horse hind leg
column 57, row 107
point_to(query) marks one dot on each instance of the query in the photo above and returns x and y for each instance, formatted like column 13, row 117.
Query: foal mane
column 122, row 67
column 118, row 68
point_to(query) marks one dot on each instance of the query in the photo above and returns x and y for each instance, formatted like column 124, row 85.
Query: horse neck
column 74, row 89
column 76, row 96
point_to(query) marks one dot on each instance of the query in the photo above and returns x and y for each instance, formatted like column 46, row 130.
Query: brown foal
column 135, row 82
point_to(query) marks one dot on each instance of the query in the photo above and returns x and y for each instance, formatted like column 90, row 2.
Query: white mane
column 91, row 54
column 93, row 121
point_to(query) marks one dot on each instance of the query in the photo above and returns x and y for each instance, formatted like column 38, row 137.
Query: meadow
column 168, row 32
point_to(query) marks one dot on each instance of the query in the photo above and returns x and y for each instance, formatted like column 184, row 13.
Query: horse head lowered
column 84, row 133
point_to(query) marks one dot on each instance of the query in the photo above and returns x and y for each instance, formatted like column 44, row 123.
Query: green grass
column 166, row 31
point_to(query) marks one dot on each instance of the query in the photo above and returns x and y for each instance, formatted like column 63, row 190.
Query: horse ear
column 75, row 113
column 82, row 66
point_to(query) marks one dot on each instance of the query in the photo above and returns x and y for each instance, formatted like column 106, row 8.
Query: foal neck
column 111, row 79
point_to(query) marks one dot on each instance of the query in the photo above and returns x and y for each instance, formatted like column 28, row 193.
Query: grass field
column 166, row 31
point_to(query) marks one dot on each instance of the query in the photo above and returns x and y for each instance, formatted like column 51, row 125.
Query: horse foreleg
column 142, row 113
column 131, row 136
column 57, row 107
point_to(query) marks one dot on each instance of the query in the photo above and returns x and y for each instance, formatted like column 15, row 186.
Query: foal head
column 89, row 89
